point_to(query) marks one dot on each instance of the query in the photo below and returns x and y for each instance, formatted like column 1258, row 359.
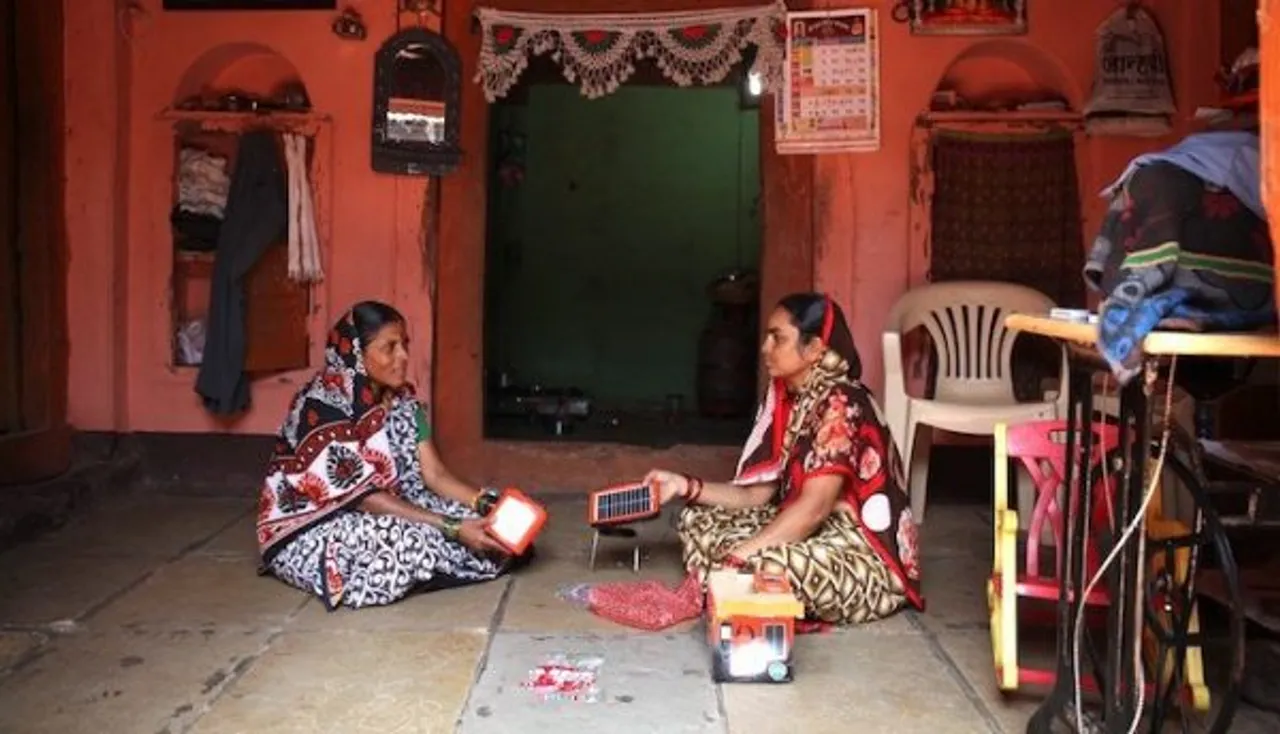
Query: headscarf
column 332, row 450
column 781, row 416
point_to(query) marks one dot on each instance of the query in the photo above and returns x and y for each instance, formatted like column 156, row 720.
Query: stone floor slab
column 956, row 531
column 1255, row 721
column 353, row 682
column 970, row 652
column 465, row 608
column 42, row 587
column 16, row 647
column 153, row 526
column 177, row 633
column 202, row 591
column 955, row 592
column 239, row 539
column 123, row 681
column 651, row 683
column 535, row 605
column 563, row 559
column 850, row 682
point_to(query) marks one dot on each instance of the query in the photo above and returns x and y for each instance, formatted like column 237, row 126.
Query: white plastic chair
column 973, row 352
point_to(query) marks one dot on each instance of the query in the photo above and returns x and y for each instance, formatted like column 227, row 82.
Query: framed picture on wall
column 968, row 17
column 250, row 5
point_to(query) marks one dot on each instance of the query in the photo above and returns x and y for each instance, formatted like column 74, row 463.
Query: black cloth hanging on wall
column 256, row 217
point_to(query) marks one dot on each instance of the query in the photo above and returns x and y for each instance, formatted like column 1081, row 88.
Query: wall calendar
column 830, row 100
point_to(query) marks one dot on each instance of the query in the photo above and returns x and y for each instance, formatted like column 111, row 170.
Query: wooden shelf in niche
column 277, row 309
column 1043, row 117
column 306, row 123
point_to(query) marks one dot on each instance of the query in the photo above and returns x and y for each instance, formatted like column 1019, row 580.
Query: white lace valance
column 599, row 51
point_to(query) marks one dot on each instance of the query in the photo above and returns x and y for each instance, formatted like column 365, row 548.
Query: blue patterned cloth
column 1177, row 252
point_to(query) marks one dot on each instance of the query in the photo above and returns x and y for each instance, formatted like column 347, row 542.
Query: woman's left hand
column 471, row 533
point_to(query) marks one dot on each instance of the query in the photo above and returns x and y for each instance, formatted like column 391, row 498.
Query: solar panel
column 622, row 504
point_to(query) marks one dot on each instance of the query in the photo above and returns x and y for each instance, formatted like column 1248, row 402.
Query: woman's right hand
column 472, row 534
column 670, row 485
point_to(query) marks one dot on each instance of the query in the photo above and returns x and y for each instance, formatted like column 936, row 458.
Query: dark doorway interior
column 610, row 222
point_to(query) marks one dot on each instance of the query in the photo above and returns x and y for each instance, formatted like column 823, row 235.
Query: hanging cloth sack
column 1132, row 94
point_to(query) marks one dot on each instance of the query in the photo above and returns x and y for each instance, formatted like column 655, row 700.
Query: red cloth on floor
column 647, row 605
column 812, row 627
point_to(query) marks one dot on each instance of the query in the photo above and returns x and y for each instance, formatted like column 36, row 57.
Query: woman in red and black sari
column 819, row 492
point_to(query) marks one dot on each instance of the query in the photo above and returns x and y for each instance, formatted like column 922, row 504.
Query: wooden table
column 1157, row 343
column 1119, row 676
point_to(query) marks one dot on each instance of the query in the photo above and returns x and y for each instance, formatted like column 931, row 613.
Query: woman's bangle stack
column 451, row 526
column 485, row 501
column 695, row 490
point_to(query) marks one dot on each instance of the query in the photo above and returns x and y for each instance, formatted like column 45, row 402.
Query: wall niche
column 1001, row 77
column 227, row 95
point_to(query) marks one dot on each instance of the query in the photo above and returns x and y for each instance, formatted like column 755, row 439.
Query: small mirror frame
column 410, row 158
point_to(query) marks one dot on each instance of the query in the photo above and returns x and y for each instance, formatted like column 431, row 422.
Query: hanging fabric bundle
column 1132, row 89
column 304, row 243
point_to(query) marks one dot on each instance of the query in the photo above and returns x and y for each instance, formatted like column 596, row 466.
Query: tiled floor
column 149, row 618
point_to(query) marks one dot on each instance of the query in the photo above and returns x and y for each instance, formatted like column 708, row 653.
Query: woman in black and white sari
column 357, row 507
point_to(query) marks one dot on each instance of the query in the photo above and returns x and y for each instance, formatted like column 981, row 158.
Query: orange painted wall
column 121, row 342
column 123, row 70
column 863, row 253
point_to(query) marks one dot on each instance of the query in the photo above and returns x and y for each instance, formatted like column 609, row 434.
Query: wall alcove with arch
column 250, row 70
column 1004, row 76
column 997, row 166
column 229, row 96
